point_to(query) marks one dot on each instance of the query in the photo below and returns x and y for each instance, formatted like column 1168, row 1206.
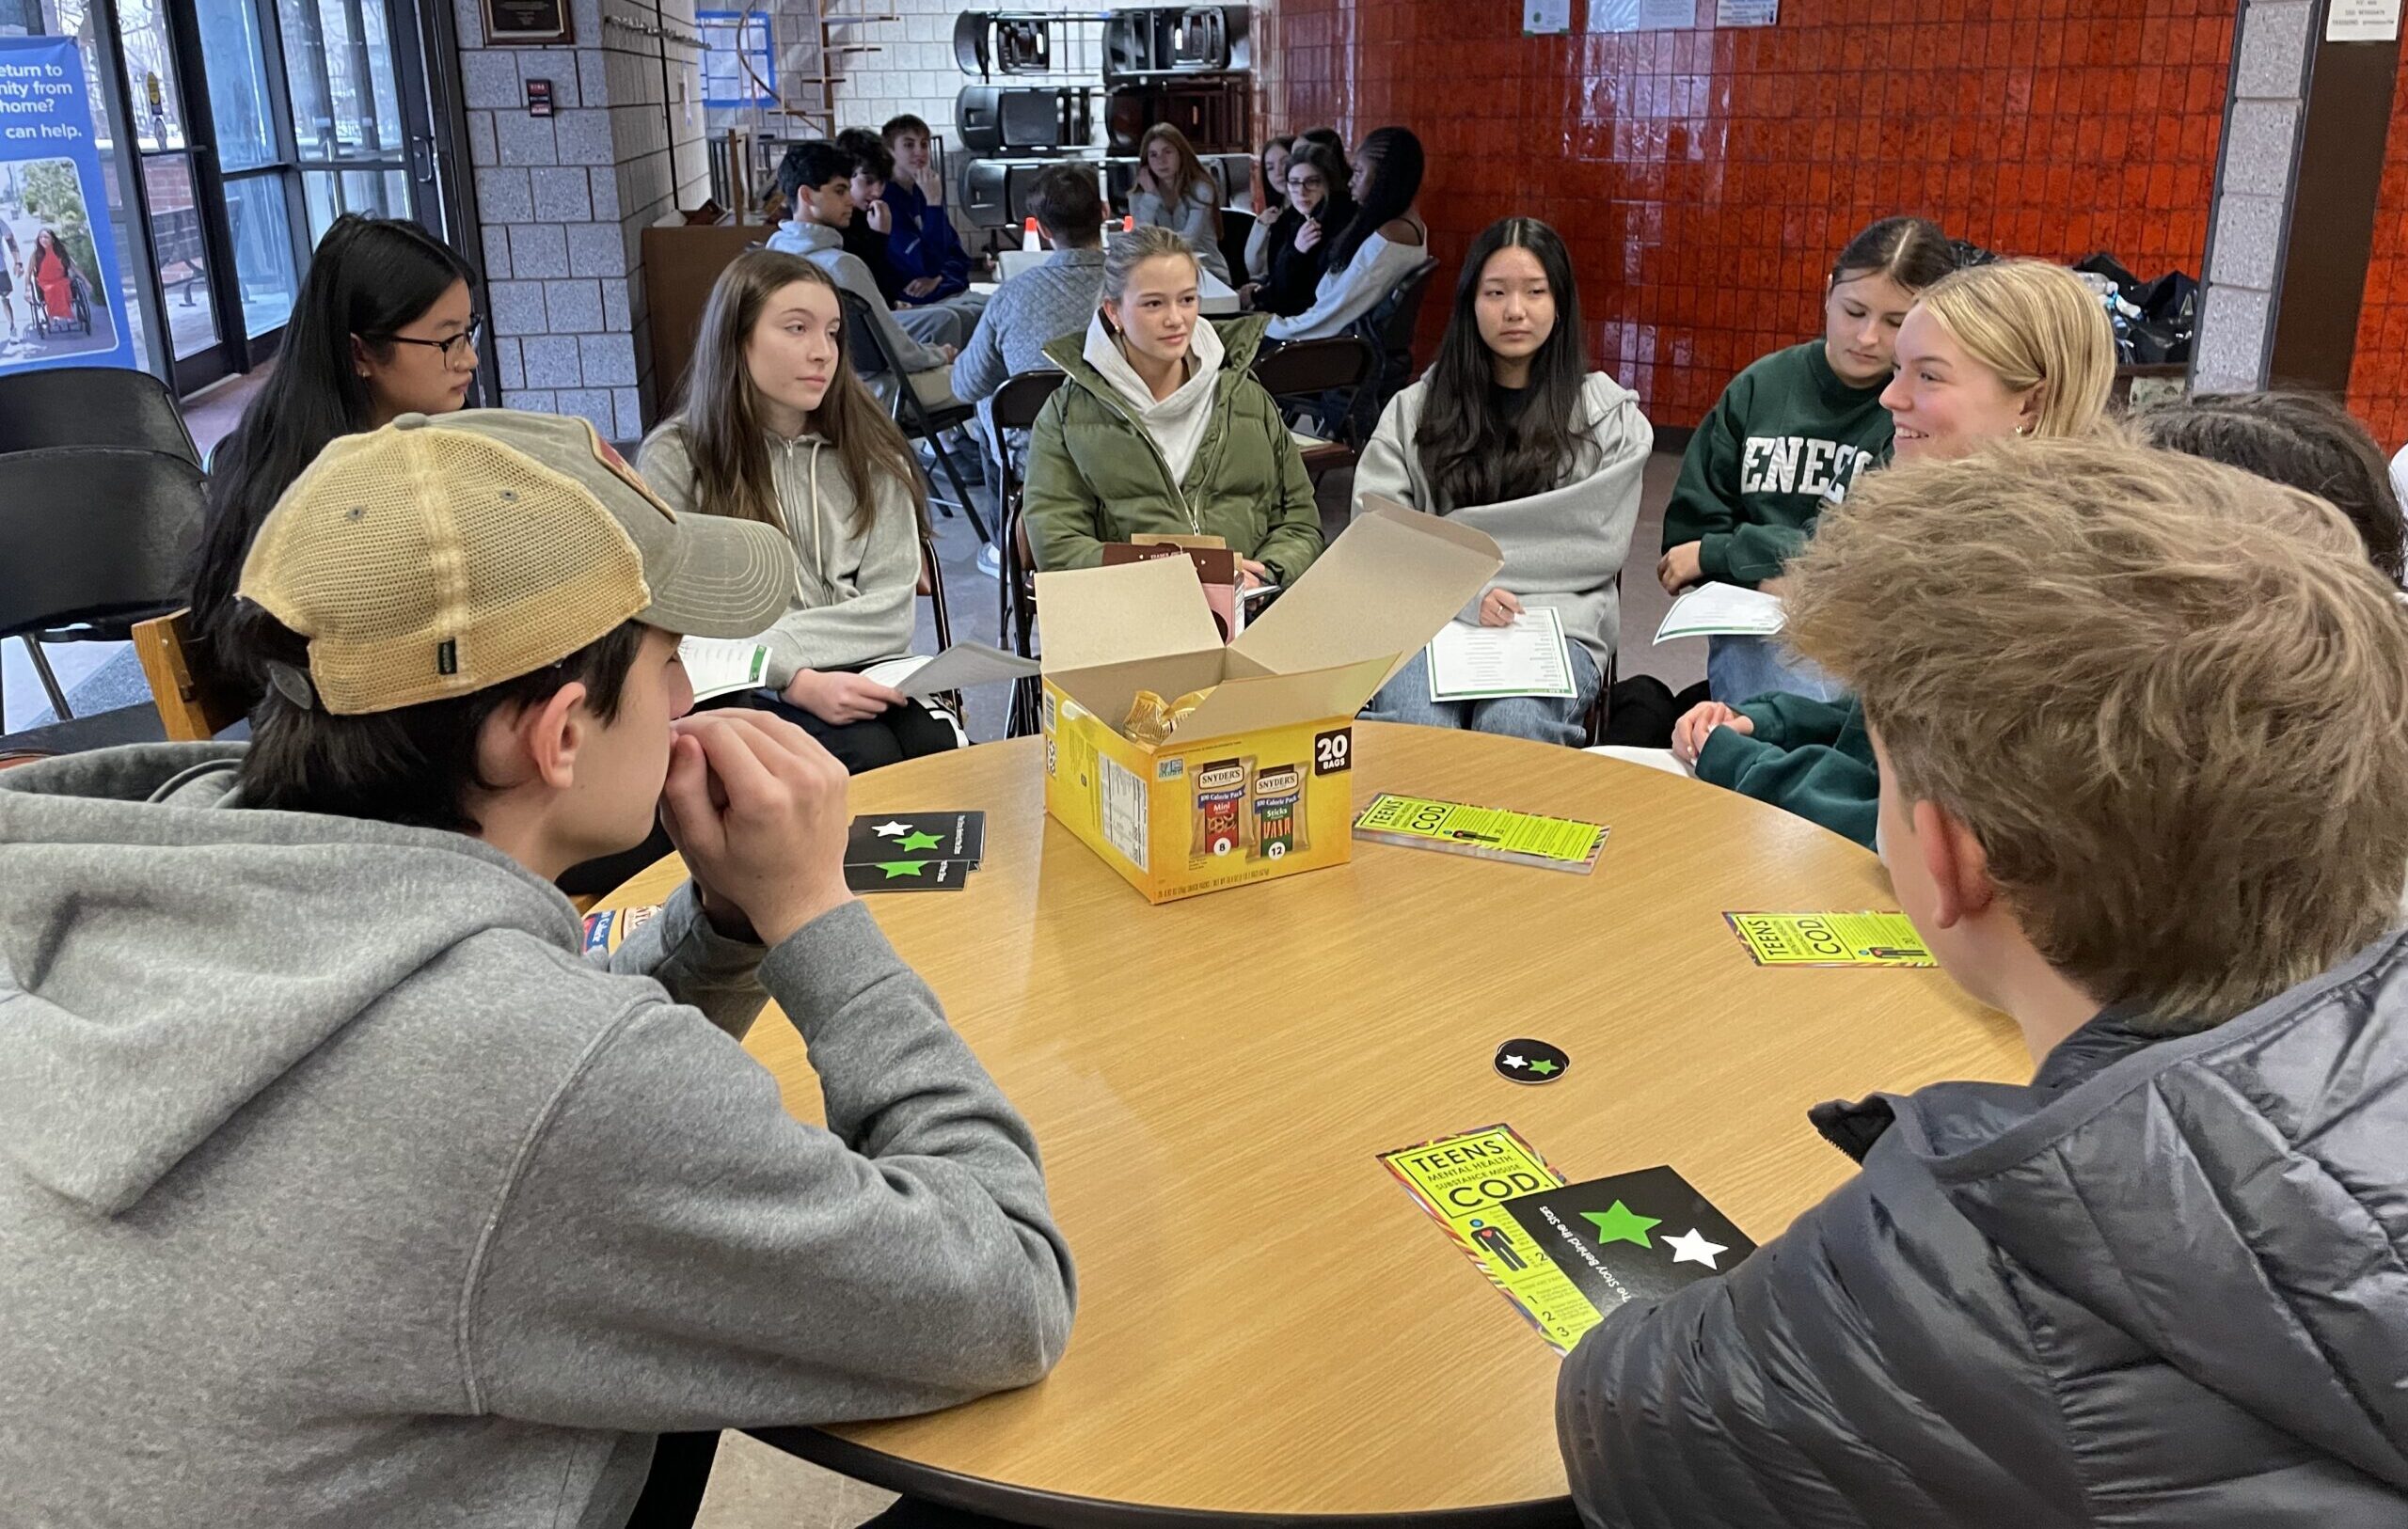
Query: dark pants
column 893, row 736
column 681, row 1468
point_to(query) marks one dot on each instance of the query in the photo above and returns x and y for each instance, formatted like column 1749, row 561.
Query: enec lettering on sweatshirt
column 1800, row 464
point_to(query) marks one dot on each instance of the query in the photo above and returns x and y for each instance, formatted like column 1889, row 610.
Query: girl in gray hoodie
column 1509, row 431
column 776, row 428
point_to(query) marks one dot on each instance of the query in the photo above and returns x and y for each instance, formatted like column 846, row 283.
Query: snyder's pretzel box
column 1258, row 781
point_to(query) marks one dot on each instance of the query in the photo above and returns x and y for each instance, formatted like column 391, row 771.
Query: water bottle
column 1028, row 239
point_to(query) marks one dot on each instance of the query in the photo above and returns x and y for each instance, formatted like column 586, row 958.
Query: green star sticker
column 1543, row 1067
column 918, row 841
column 901, row 868
column 1620, row 1224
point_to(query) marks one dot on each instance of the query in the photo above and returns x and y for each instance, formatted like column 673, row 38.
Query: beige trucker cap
column 439, row 556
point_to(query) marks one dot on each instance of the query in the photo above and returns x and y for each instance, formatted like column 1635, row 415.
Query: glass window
column 262, row 232
column 345, row 104
column 151, row 74
column 328, row 194
column 176, row 244
column 236, row 65
column 75, row 19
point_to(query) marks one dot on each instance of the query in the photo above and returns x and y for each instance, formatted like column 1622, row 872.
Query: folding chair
column 866, row 348
column 194, row 703
column 932, row 588
column 1015, row 407
column 92, row 540
column 1312, row 375
column 91, row 406
column 1389, row 329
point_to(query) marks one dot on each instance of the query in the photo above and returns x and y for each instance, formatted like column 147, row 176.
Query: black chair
column 866, row 347
column 1015, row 408
column 91, row 406
column 1389, row 329
column 1318, row 379
column 91, row 542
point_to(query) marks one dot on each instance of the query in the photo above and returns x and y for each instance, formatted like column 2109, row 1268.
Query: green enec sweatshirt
column 1813, row 758
column 1785, row 437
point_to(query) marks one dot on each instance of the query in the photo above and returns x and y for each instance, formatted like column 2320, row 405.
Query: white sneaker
column 990, row 562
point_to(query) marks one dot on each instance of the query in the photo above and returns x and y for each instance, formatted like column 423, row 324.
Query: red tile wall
column 2379, row 373
column 1704, row 179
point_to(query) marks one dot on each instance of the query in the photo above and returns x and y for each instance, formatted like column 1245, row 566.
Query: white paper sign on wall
column 1746, row 12
column 1545, row 18
column 2362, row 21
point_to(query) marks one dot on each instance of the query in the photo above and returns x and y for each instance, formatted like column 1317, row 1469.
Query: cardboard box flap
column 1381, row 590
column 1089, row 616
column 1237, row 707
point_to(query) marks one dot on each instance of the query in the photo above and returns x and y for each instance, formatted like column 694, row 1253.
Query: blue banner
column 58, row 275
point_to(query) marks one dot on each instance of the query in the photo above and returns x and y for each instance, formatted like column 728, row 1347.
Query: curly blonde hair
column 2168, row 698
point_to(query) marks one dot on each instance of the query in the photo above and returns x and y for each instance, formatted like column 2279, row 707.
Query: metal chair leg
column 49, row 681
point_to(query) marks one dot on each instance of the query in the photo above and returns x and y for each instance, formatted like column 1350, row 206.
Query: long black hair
column 1337, row 197
column 1469, row 454
column 1395, row 155
column 2306, row 441
column 1273, row 195
column 1911, row 251
column 369, row 278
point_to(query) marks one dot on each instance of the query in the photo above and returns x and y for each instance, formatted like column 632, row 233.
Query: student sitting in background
column 1161, row 428
column 339, row 1184
column 2297, row 438
column 1175, row 191
column 1047, row 301
column 1383, row 244
column 925, row 250
column 1271, row 167
column 1329, row 138
column 1995, row 352
column 1288, row 251
column 816, row 178
column 1509, row 432
column 2160, row 1284
column 776, row 428
column 872, row 219
column 385, row 325
column 1788, row 436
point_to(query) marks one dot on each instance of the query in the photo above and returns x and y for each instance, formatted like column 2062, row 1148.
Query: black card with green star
column 909, row 872
column 1638, row 1235
column 880, row 837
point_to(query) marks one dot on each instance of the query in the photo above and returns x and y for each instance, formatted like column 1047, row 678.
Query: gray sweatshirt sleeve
column 875, row 621
column 1257, row 251
column 979, row 370
column 1376, row 270
column 701, row 968
column 1384, row 469
column 674, row 1250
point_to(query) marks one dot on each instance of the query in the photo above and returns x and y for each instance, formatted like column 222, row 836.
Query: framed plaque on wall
column 534, row 22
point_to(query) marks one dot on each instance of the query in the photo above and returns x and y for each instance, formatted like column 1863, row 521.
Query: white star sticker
column 1515, row 1062
column 1691, row 1247
column 892, row 829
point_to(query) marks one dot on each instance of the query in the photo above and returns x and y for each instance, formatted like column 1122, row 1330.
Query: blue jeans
column 1539, row 719
column 1740, row 669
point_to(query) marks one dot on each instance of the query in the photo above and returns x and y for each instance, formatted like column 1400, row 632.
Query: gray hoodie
column 825, row 248
column 855, row 585
column 336, row 1188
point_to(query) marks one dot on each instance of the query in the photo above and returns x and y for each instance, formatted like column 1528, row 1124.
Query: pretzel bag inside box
column 1258, row 781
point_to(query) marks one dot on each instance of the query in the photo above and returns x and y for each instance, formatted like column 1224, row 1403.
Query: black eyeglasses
column 450, row 348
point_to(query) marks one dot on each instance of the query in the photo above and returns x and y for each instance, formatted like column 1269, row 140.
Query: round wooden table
column 1267, row 1322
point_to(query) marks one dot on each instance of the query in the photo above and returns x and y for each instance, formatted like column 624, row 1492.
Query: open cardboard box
column 1258, row 781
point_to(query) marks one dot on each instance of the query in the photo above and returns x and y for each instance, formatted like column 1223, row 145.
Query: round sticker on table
column 1531, row 1062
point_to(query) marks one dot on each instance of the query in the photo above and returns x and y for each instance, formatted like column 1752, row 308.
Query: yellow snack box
column 1257, row 782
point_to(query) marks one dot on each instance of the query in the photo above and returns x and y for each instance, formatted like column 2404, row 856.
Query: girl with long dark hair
column 1287, row 254
column 776, row 427
column 1272, row 165
column 1511, row 433
column 1381, row 246
column 384, row 326
column 1791, row 432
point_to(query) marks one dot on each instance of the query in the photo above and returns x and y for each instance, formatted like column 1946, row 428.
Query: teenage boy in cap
column 336, row 1186
column 2162, row 1283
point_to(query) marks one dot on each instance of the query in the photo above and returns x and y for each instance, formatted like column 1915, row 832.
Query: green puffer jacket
column 1096, row 475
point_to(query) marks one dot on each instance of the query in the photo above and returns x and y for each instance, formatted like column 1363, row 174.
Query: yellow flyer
column 1555, row 844
column 1462, row 1182
column 1830, row 940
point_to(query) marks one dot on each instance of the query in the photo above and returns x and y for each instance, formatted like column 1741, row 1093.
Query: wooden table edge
column 1062, row 1510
